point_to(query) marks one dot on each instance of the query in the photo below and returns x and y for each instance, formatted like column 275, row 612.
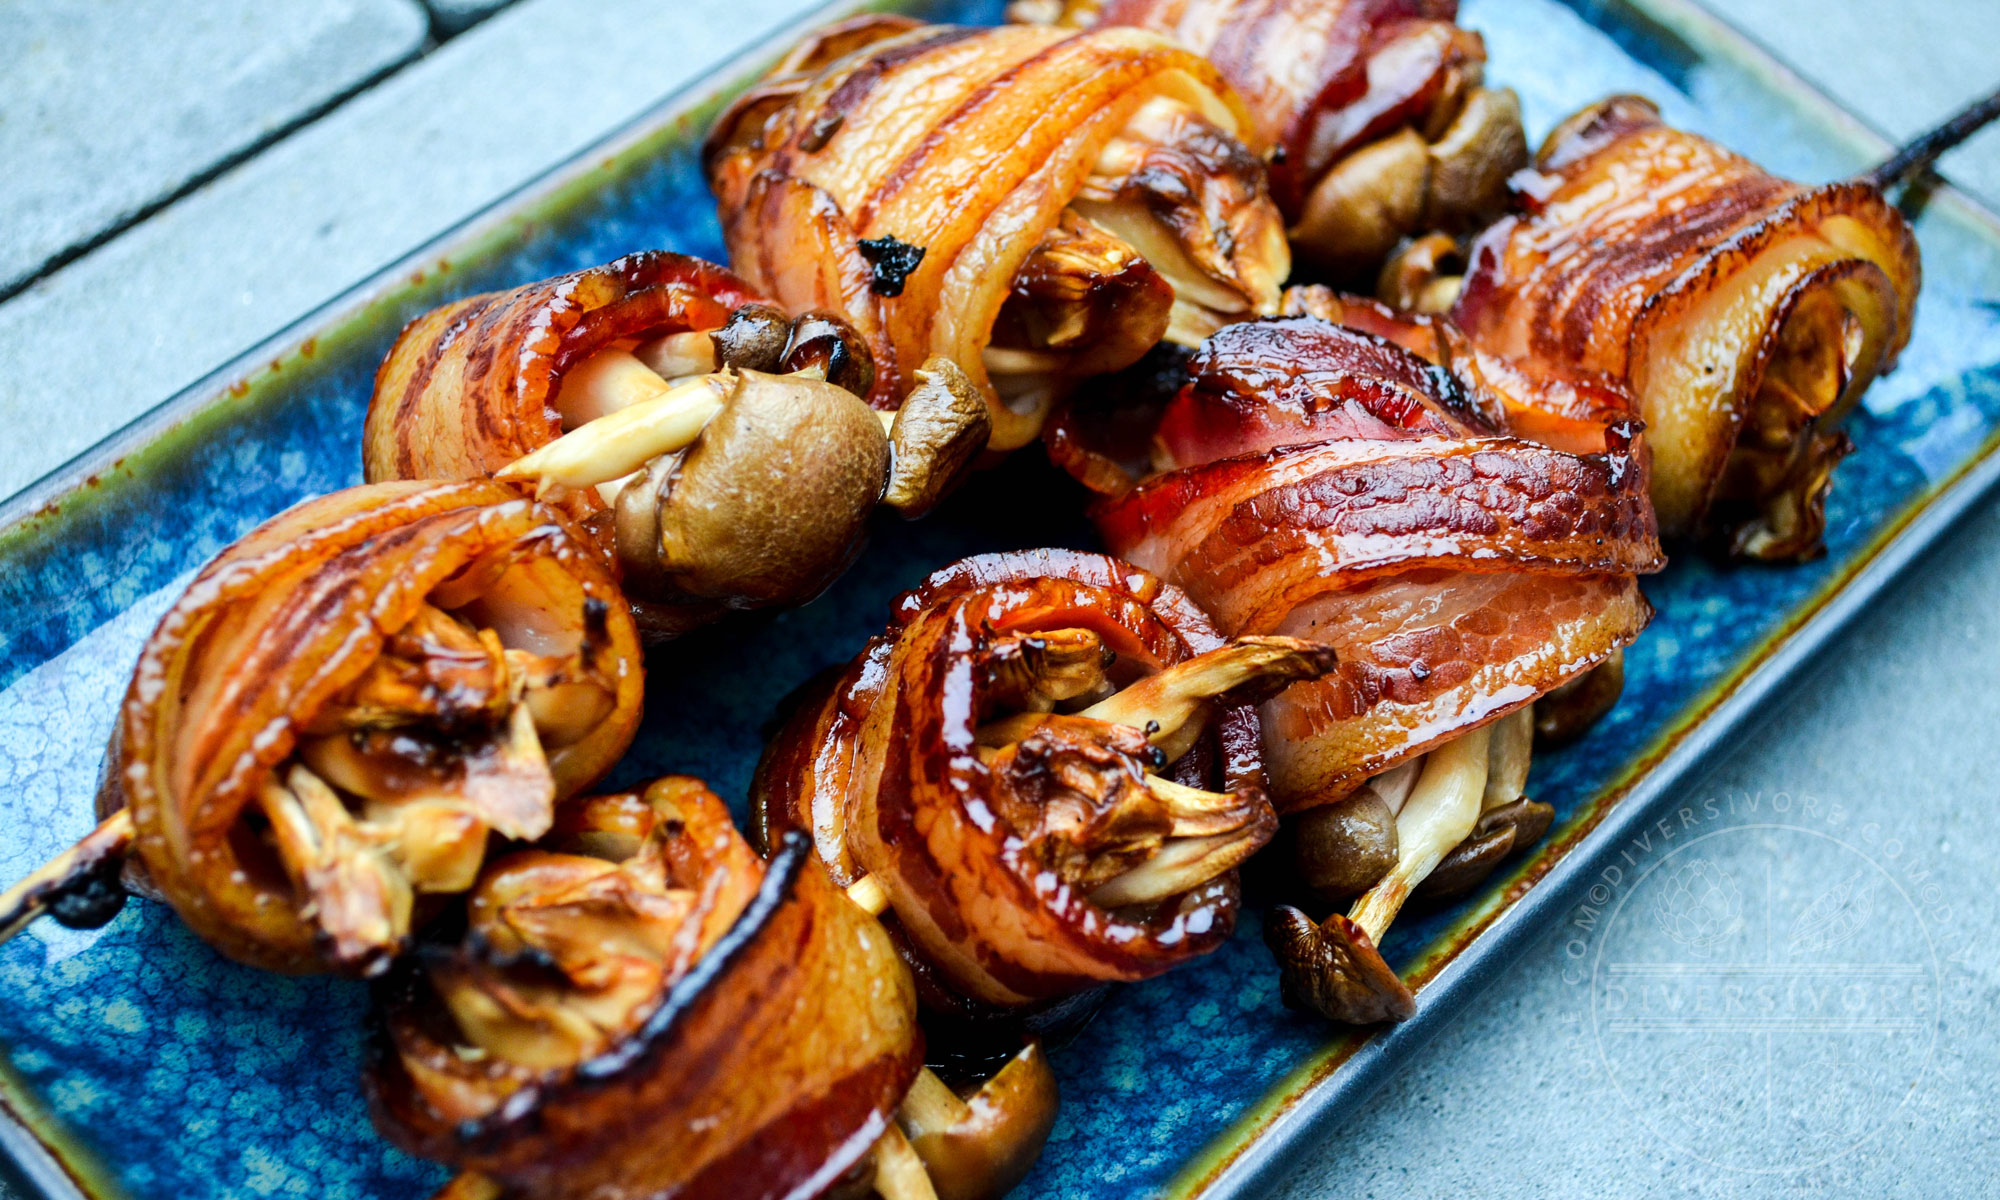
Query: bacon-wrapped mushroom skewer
column 1745, row 314
column 714, row 447
column 1372, row 112
column 343, row 709
column 1022, row 766
column 642, row 1007
column 1036, row 205
column 1315, row 481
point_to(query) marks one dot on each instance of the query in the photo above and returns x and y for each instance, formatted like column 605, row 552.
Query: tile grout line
column 431, row 42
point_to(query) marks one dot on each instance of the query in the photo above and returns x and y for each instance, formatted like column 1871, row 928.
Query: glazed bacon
column 1037, row 831
column 1316, row 481
column 1746, row 313
column 1035, row 205
column 1313, row 480
column 345, row 705
column 713, row 447
column 641, row 1007
column 1371, row 111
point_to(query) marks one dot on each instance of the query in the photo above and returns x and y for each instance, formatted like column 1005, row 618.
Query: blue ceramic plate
column 138, row 1063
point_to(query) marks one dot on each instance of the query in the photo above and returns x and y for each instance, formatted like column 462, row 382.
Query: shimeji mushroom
column 1456, row 811
column 358, row 822
column 1414, row 180
column 975, row 1146
column 742, row 464
column 1087, row 786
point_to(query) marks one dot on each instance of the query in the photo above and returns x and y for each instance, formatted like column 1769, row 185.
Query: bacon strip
column 921, row 179
column 1746, row 313
column 1321, row 482
column 386, row 638
column 889, row 776
column 1326, row 79
column 644, row 1008
column 655, row 400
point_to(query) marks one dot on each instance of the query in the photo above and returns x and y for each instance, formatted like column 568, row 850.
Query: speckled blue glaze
column 181, row 1074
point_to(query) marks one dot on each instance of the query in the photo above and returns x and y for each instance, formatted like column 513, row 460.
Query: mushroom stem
column 869, row 893
column 931, row 1104
column 626, row 437
column 899, row 1173
column 1440, row 812
column 1181, row 864
column 1172, row 704
column 66, row 873
column 469, row 1185
column 1196, row 813
column 1034, row 672
column 1508, row 758
column 679, row 354
column 980, row 1147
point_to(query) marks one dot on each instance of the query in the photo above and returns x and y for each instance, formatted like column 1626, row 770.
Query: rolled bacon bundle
column 341, row 711
column 1315, row 481
column 1745, row 313
column 712, row 446
column 641, row 1007
column 1371, row 111
column 1033, row 204
column 1020, row 767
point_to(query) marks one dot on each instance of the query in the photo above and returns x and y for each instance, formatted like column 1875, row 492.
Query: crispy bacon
column 1033, row 204
column 548, row 387
column 472, row 386
column 346, row 702
column 1746, row 313
column 1035, row 838
column 1370, row 110
column 1317, row 481
column 643, row 1008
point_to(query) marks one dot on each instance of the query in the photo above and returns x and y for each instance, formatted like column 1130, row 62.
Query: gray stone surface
column 139, row 318
column 1901, row 67
column 108, row 107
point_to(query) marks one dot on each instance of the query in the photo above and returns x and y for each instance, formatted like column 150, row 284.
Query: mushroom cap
column 1343, row 848
column 768, row 506
column 1007, row 1122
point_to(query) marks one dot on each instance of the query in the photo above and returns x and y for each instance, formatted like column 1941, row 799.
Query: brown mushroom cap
column 997, row 1134
column 1333, row 968
column 753, row 339
column 1569, row 711
column 824, row 342
column 1499, row 833
column 1343, row 848
column 941, row 427
column 1471, row 163
column 768, row 506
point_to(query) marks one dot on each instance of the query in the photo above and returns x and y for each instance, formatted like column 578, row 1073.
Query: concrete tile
column 110, row 107
column 1902, row 68
column 149, row 312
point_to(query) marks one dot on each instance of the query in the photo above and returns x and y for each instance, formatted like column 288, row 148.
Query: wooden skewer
column 867, row 891
column 64, row 873
column 1918, row 154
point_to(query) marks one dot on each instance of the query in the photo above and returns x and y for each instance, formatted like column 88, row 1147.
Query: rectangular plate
column 139, row 1063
